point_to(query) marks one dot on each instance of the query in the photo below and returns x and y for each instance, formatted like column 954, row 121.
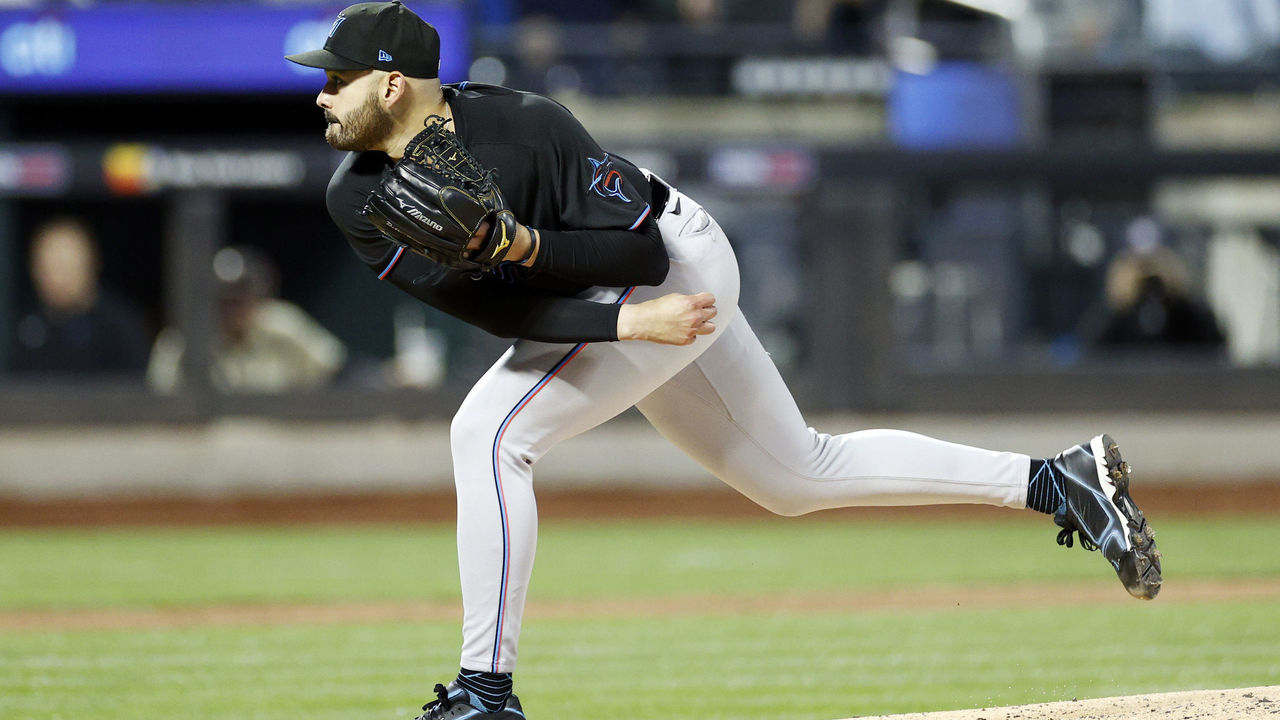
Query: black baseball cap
column 379, row 35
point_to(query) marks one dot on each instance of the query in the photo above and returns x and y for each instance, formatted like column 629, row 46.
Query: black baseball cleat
column 1095, row 480
column 455, row 703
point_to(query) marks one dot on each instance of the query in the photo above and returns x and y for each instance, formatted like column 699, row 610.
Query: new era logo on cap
column 384, row 56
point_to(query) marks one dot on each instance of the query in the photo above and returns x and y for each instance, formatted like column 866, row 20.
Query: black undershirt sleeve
column 612, row 258
column 503, row 309
column 597, row 224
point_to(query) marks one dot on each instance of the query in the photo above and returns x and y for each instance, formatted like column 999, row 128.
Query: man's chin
column 337, row 142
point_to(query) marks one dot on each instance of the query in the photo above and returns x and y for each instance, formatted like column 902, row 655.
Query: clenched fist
column 673, row 319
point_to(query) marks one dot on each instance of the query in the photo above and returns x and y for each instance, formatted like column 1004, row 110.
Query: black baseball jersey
column 592, row 209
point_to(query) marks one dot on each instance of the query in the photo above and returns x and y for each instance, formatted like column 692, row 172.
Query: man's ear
column 394, row 87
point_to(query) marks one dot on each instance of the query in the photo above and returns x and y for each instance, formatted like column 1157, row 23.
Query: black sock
column 491, row 690
column 1044, row 489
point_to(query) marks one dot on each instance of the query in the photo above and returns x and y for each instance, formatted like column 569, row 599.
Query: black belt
column 659, row 193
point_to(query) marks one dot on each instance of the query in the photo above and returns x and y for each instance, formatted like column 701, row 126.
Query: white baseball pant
column 720, row 400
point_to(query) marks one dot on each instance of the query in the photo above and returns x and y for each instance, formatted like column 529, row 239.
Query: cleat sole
column 1139, row 567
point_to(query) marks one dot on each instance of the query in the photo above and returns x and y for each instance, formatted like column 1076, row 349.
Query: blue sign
column 185, row 48
column 957, row 104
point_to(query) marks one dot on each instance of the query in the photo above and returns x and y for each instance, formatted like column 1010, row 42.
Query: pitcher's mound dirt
column 1258, row 702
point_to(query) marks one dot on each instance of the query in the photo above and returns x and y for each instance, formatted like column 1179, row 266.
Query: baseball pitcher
column 499, row 208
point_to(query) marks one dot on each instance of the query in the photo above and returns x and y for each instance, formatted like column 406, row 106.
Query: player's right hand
column 674, row 319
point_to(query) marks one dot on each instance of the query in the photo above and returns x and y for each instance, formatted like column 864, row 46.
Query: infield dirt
column 939, row 598
column 1244, row 703
column 1257, row 498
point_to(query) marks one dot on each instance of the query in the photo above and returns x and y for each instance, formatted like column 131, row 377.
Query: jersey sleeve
column 355, row 178
column 596, row 190
column 604, row 232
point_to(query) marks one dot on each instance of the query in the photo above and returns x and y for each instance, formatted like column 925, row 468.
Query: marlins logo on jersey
column 605, row 181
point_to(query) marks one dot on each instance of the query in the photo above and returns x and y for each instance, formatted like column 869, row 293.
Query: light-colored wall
column 254, row 457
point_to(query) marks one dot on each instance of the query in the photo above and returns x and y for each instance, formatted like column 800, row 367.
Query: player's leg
column 538, row 395
column 731, row 411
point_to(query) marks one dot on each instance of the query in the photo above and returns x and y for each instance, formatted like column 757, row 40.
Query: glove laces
column 438, row 148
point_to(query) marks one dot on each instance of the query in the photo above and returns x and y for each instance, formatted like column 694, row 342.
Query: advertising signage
column 180, row 48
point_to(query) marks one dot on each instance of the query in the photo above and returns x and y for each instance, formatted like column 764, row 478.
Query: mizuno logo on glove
column 419, row 215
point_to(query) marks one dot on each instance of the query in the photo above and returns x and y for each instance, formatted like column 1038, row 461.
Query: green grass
column 174, row 567
column 772, row 665
column 140, row 567
column 777, row 666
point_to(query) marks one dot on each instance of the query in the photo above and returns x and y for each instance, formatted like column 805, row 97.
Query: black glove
column 435, row 198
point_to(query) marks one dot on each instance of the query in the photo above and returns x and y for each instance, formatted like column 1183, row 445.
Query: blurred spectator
column 692, row 71
column 841, row 26
column 1108, row 31
column 79, row 327
column 700, row 13
column 544, row 60
column 1150, row 300
column 266, row 345
column 540, row 63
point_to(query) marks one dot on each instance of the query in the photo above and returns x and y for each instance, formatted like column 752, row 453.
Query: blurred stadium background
column 1005, row 222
